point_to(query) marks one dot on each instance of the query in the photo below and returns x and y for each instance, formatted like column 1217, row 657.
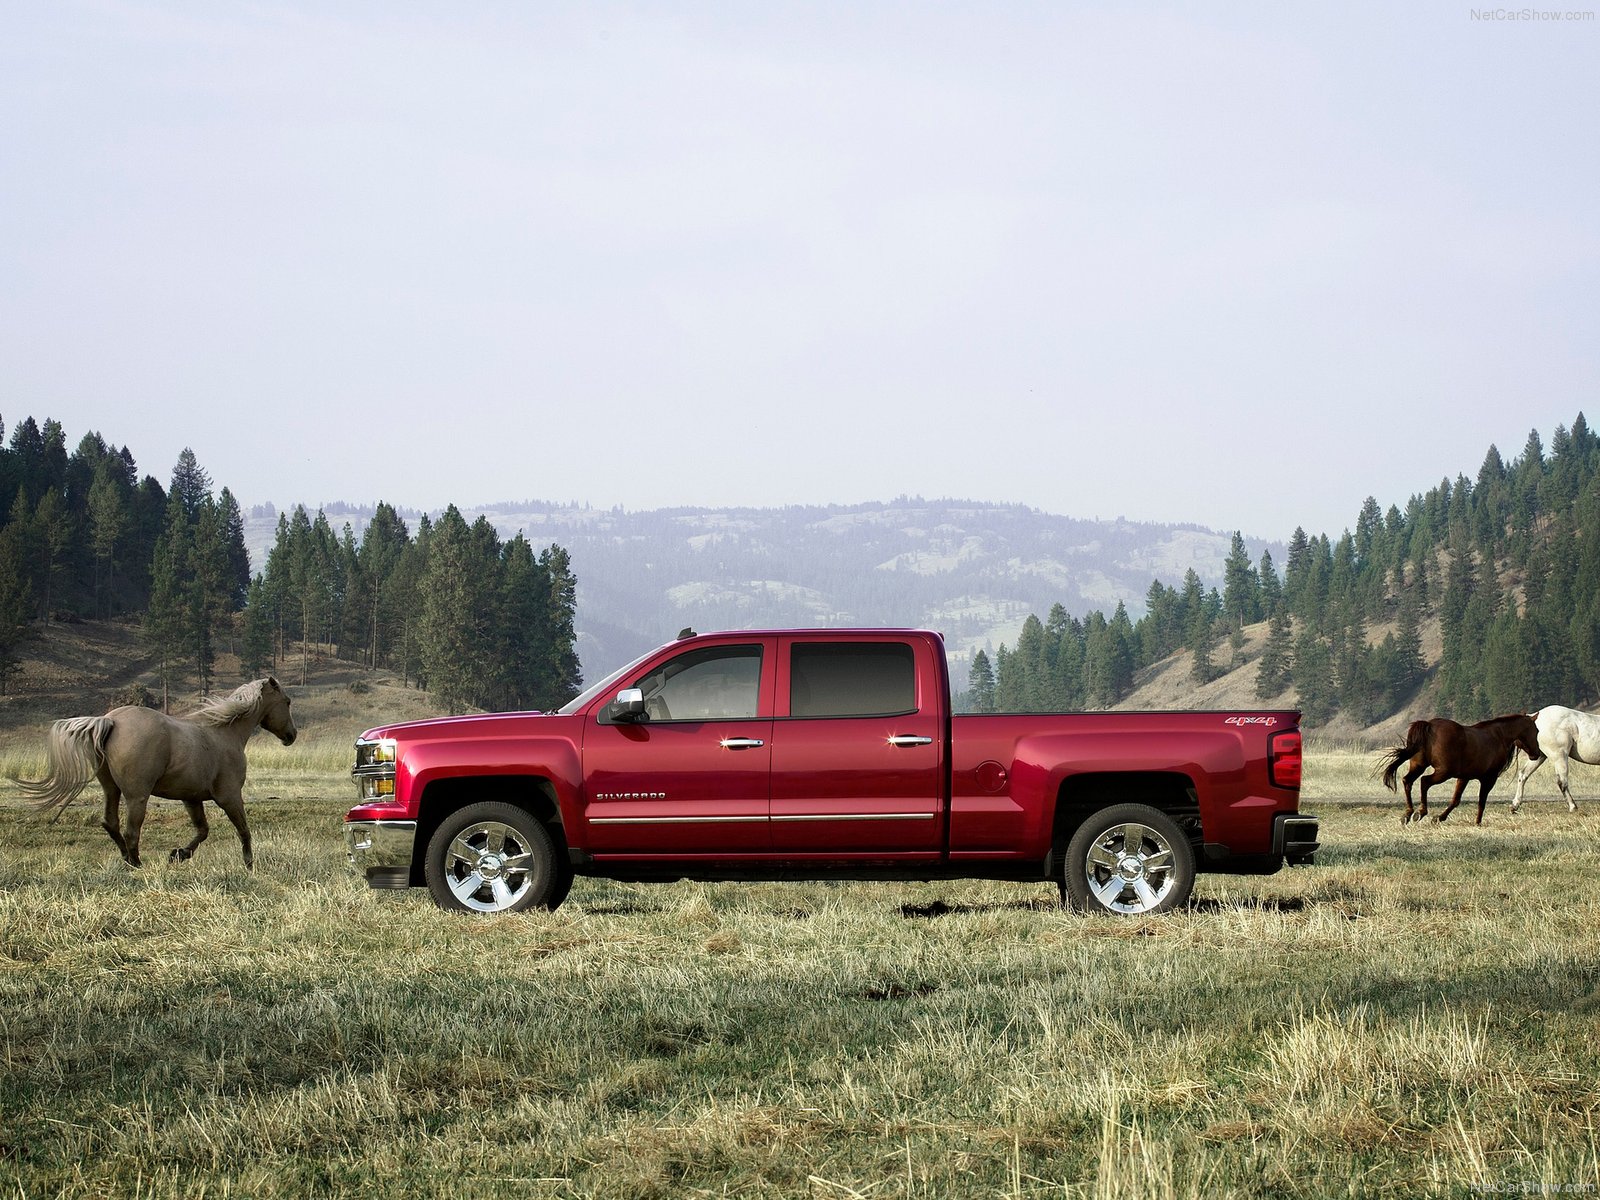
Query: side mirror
column 628, row 707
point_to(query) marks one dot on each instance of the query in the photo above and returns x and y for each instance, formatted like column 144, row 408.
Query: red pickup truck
column 821, row 753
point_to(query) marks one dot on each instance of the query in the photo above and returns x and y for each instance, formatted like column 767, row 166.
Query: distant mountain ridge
column 972, row 570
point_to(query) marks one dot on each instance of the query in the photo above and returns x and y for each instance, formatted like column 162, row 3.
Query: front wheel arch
column 443, row 798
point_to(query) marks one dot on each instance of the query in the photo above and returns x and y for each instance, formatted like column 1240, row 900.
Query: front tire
column 1129, row 860
column 493, row 857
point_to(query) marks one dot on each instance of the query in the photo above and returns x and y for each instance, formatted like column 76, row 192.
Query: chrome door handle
column 742, row 743
column 908, row 739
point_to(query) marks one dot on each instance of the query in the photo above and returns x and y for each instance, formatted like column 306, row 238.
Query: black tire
column 494, row 857
column 1128, row 860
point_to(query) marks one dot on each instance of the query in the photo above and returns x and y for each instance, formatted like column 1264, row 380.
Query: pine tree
column 1354, row 668
column 1271, row 588
column 382, row 545
column 190, row 484
column 238, row 554
column 1162, row 629
column 1054, row 692
column 1029, row 659
column 1069, row 668
column 1200, row 642
column 255, row 652
column 56, row 536
column 563, row 676
column 1406, row 662
column 1008, row 683
column 210, row 586
column 1241, row 591
column 1273, row 673
column 16, row 600
column 1313, row 678
column 1108, row 659
column 980, row 684
column 458, row 591
column 1507, row 664
column 108, row 519
column 1369, row 534
column 1295, row 569
column 405, row 594
column 166, row 620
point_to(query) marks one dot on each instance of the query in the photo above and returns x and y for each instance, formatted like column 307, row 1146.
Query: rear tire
column 1128, row 860
column 494, row 857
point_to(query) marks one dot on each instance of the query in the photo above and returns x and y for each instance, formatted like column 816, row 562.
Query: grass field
column 1416, row 1014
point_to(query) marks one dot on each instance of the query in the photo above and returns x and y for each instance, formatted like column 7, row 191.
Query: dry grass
column 1412, row 1016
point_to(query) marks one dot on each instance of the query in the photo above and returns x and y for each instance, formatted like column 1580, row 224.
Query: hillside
column 1170, row 684
column 87, row 667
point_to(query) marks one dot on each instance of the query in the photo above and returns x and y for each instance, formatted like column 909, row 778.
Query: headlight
column 374, row 770
column 379, row 752
column 375, row 787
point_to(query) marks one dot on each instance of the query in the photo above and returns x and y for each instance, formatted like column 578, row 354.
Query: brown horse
column 1459, row 752
column 137, row 753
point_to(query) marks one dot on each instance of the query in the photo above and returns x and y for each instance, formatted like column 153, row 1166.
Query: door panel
column 674, row 788
column 694, row 777
column 848, row 783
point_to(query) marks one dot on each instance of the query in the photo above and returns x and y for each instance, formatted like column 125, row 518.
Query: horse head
column 1527, row 735
column 275, row 718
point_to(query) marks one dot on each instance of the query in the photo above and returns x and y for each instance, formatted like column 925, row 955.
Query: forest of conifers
column 1508, row 563
column 478, row 621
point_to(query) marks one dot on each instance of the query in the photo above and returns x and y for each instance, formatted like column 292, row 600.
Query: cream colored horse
column 1564, row 734
column 137, row 753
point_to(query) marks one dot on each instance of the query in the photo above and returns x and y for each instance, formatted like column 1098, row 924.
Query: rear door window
column 852, row 679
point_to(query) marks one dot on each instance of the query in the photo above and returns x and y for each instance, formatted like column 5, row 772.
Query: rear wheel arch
column 1081, row 796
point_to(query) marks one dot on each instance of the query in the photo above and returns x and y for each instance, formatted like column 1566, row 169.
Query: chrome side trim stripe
column 747, row 820
column 927, row 816
column 673, row 820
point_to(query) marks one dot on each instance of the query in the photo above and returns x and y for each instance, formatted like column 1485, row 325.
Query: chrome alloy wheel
column 488, row 866
column 1129, row 868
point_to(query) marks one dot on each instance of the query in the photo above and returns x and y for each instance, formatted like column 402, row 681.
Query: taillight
column 1283, row 759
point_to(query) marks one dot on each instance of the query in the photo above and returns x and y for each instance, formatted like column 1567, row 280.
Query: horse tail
column 76, row 750
column 1416, row 742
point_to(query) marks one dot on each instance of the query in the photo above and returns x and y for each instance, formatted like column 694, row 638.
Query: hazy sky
column 1241, row 265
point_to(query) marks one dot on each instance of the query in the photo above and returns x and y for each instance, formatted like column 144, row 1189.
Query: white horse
column 1564, row 733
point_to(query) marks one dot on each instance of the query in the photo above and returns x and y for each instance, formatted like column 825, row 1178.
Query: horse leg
column 113, row 804
column 132, row 823
column 1427, row 782
column 233, row 805
column 1455, row 799
column 197, row 815
column 1483, row 796
column 1411, row 776
column 1563, row 763
column 1525, row 773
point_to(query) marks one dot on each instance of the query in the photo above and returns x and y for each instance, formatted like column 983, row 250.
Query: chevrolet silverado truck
column 821, row 754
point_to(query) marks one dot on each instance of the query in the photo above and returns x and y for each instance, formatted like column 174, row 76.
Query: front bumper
column 382, row 851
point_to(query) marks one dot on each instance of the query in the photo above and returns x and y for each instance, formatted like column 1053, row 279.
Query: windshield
column 598, row 689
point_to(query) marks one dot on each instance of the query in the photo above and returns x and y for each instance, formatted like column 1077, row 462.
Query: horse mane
column 245, row 701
